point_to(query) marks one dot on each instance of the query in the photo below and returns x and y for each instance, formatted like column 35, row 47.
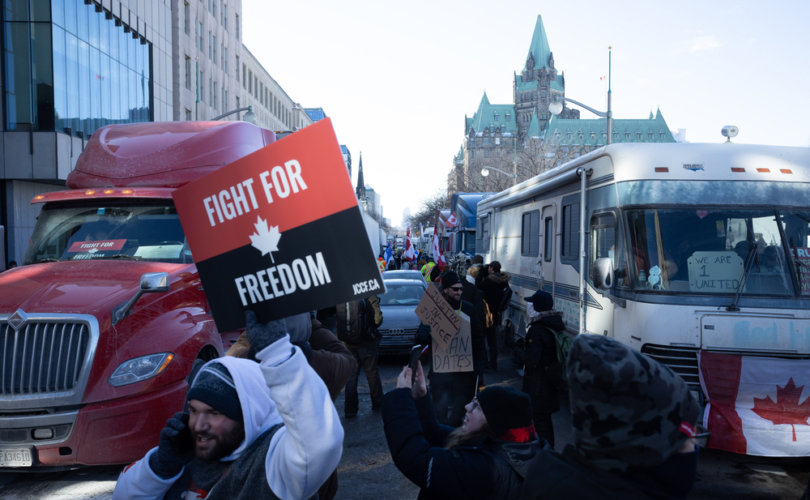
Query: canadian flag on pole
column 437, row 252
column 757, row 406
column 451, row 221
column 409, row 252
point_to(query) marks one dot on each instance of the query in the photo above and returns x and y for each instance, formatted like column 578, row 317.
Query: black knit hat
column 542, row 301
column 505, row 408
column 449, row 279
column 214, row 386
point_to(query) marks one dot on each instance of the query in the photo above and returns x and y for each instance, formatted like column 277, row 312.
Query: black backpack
column 356, row 321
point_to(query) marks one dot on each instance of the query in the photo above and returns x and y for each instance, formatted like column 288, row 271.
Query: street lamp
column 249, row 117
column 485, row 173
column 556, row 106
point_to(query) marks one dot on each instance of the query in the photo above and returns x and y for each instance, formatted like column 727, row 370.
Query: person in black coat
column 474, row 296
column 484, row 458
column 494, row 285
column 542, row 371
column 452, row 390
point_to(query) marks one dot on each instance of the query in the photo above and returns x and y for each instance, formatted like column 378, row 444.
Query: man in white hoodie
column 252, row 430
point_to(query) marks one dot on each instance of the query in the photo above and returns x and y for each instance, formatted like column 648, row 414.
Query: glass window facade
column 70, row 67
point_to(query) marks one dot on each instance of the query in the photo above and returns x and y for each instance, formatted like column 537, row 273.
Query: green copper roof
column 568, row 132
column 524, row 86
column 539, row 48
column 493, row 116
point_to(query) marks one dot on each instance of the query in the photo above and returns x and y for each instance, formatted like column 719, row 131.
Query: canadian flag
column 409, row 252
column 437, row 253
column 757, row 406
column 451, row 221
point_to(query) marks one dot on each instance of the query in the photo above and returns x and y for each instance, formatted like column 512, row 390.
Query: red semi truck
column 103, row 323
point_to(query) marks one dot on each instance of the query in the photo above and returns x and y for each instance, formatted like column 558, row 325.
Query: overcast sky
column 398, row 78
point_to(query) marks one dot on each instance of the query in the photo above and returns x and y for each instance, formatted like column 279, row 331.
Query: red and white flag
column 451, row 221
column 437, row 252
column 757, row 406
column 409, row 252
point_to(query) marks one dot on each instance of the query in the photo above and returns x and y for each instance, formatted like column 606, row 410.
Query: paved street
column 367, row 472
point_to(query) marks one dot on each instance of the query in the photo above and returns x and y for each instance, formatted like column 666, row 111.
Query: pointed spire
column 360, row 190
column 484, row 100
column 539, row 49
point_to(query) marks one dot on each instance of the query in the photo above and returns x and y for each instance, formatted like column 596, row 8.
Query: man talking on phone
column 252, row 430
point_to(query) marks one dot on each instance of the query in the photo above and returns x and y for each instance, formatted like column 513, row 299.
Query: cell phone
column 416, row 352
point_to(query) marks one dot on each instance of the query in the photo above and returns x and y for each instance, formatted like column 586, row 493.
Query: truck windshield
column 717, row 251
column 109, row 229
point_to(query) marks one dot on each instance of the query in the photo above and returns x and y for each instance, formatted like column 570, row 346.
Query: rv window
column 603, row 229
column 570, row 231
column 718, row 251
column 530, row 234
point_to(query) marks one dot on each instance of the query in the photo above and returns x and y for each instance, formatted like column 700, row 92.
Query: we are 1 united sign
column 279, row 231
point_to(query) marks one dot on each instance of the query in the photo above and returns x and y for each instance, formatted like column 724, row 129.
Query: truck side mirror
column 602, row 274
column 150, row 282
column 155, row 282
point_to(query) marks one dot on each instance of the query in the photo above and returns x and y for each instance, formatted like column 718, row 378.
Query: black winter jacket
column 542, row 375
column 553, row 475
column 485, row 469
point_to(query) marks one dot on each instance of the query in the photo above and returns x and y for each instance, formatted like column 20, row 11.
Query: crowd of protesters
column 261, row 421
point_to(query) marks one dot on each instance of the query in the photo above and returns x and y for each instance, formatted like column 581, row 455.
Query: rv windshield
column 718, row 251
column 109, row 229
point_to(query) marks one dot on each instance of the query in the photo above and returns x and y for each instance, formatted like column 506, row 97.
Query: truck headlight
column 141, row 368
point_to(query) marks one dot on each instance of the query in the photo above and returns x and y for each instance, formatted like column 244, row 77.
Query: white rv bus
column 686, row 247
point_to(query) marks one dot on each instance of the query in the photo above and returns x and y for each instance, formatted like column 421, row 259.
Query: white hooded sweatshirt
column 283, row 388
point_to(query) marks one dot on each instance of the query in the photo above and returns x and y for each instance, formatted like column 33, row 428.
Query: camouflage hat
column 627, row 409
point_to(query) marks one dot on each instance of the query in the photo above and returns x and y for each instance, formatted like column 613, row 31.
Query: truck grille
column 41, row 356
column 681, row 360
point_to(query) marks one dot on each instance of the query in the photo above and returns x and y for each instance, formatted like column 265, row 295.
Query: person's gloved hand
column 176, row 447
column 262, row 335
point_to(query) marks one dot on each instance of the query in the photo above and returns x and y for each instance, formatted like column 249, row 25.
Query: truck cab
column 106, row 318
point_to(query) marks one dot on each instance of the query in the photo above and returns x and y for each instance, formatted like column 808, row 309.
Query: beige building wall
column 273, row 107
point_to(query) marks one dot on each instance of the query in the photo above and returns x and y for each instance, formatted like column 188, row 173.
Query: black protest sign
column 279, row 231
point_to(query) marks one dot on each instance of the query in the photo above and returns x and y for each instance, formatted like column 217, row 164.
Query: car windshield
column 402, row 294
column 109, row 229
column 716, row 251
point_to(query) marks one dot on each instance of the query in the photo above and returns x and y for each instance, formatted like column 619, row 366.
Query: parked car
column 400, row 322
column 411, row 274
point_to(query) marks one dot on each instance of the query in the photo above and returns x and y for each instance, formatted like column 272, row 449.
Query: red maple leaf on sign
column 786, row 409
column 265, row 239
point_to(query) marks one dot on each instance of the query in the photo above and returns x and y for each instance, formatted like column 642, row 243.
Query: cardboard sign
column 279, row 231
column 717, row 272
column 457, row 355
column 434, row 310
